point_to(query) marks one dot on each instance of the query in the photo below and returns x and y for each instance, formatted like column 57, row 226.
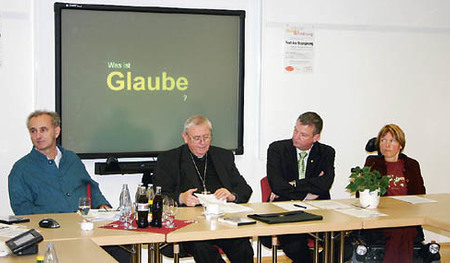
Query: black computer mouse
column 49, row 223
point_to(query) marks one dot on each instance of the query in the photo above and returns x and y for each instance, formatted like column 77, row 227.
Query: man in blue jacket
column 49, row 179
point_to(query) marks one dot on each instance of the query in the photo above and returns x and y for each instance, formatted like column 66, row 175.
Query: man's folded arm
column 278, row 184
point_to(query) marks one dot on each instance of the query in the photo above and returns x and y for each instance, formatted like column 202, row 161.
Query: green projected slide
column 128, row 77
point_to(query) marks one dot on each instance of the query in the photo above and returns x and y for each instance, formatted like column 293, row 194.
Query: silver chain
column 203, row 179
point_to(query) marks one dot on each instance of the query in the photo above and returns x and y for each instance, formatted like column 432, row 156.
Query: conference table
column 70, row 239
column 210, row 228
column 72, row 250
column 398, row 213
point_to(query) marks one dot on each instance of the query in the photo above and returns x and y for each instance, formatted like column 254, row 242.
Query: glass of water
column 170, row 209
column 84, row 205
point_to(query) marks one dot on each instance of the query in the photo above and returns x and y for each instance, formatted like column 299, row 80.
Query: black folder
column 285, row 217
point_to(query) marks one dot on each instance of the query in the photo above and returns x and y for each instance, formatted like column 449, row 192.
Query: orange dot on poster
column 289, row 68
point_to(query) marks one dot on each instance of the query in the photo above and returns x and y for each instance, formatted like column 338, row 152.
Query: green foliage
column 363, row 178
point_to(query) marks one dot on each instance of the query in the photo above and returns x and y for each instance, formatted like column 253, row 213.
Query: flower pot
column 368, row 199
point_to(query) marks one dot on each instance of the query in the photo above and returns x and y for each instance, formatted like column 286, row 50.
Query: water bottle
column 125, row 204
column 157, row 209
column 123, row 195
column 142, row 208
column 50, row 255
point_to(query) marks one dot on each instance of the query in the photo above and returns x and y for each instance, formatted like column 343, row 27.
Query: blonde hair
column 396, row 131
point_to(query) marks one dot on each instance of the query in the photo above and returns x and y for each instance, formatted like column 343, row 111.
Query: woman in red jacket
column 405, row 179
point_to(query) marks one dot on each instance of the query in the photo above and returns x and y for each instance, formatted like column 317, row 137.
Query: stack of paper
column 412, row 199
column 102, row 215
column 224, row 207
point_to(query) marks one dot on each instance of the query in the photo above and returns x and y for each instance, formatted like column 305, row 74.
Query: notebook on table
column 285, row 217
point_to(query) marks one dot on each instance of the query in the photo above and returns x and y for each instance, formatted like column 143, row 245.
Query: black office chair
column 266, row 241
column 371, row 147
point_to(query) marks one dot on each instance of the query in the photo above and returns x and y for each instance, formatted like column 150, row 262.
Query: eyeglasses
column 198, row 139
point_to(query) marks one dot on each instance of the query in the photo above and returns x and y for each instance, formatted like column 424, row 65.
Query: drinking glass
column 170, row 211
column 164, row 212
column 84, row 205
column 130, row 219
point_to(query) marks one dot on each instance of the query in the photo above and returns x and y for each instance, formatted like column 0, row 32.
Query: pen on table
column 301, row 206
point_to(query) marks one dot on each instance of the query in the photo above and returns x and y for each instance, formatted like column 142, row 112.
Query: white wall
column 375, row 62
column 28, row 30
column 16, row 86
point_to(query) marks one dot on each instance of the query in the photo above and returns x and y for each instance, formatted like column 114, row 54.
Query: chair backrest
column 371, row 146
column 265, row 189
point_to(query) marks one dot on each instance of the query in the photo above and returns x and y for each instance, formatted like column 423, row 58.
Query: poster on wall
column 298, row 49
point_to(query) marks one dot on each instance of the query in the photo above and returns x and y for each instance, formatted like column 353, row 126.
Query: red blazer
column 411, row 171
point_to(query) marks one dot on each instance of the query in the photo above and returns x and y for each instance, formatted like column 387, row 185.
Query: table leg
column 157, row 254
column 316, row 247
column 326, row 241
column 332, row 237
column 341, row 247
column 274, row 248
column 136, row 253
column 258, row 250
column 151, row 253
column 176, row 252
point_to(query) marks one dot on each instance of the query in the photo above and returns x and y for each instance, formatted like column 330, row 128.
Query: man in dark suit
column 300, row 168
column 198, row 167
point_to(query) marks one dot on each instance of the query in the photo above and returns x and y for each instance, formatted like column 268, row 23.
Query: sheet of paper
column 412, row 199
column 4, row 250
column 208, row 199
column 224, row 207
column 10, row 231
column 328, row 204
column 290, row 206
column 230, row 208
column 102, row 215
column 362, row 213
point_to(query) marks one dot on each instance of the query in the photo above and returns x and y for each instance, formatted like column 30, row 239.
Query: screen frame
column 59, row 6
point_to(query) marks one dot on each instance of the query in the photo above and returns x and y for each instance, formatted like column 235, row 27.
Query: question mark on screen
column 184, row 97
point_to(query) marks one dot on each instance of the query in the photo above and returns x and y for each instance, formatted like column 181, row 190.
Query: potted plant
column 370, row 185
